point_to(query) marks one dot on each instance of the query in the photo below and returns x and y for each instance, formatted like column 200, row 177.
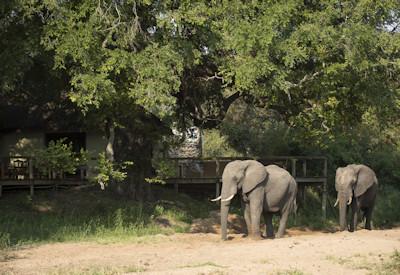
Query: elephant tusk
column 216, row 199
column 336, row 203
column 228, row 199
column 350, row 200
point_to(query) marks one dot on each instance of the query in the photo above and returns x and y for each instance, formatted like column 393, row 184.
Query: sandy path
column 311, row 253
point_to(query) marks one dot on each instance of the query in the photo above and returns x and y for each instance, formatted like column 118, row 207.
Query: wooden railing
column 307, row 170
column 20, row 171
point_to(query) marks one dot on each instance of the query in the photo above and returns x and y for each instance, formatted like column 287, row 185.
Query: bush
column 59, row 157
column 386, row 213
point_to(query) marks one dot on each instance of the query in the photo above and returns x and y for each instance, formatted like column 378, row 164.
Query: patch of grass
column 6, row 255
column 264, row 261
column 92, row 215
column 290, row 272
column 338, row 260
column 203, row 264
column 96, row 270
column 391, row 266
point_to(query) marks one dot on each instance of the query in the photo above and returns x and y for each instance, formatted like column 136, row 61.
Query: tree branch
column 306, row 78
column 215, row 76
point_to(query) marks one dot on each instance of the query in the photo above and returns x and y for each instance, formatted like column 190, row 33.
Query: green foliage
column 59, row 157
column 164, row 168
column 386, row 212
column 4, row 240
column 255, row 131
column 318, row 77
column 216, row 145
column 108, row 171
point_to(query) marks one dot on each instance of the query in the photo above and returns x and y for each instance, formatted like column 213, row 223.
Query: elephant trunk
column 224, row 218
column 343, row 200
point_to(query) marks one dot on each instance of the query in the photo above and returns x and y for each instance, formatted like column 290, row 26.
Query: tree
column 137, row 68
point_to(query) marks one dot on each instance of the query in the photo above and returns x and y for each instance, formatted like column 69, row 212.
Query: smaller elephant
column 357, row 187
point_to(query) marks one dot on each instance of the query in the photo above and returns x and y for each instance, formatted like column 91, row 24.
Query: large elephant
column 357, row 187
column 265, row 190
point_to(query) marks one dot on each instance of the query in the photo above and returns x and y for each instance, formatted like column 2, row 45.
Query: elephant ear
column 364, row 181
column 255, row 173
column 339, row 172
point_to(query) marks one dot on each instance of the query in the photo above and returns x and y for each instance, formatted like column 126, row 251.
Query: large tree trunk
column 110, row 143
column 110, row 155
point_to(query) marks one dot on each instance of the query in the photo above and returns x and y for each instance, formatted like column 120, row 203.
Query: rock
column 212, row 224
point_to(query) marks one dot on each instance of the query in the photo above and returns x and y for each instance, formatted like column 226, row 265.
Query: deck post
column 176, row 187
column 30, row 167
column 2, row 169
column 293, row 160
column 31, row 180
column 31, row 187
column 217, row 174
column 325, row 189
column 304, row 168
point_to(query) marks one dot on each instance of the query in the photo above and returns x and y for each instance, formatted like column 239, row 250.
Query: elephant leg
column 282, row 223
column 368, row 215
column 354, row 216
column 269, row 227
column 255, row 216
column 246, row 213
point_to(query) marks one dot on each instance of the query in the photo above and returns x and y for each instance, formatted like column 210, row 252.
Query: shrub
column 386, row 212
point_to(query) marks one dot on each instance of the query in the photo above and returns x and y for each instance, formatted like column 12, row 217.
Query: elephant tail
column 295, row 206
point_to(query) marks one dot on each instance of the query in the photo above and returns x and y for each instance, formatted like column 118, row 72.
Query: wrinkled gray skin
column 357, row 186
column 265, row 190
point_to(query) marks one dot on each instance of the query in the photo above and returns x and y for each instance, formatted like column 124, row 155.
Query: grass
column 290, row 272
column 390, row 266
column 96, row 270
column 202, row 265
column 92, row 215
column 374, row 266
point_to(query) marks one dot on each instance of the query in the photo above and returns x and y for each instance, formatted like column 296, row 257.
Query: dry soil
column 204, row 253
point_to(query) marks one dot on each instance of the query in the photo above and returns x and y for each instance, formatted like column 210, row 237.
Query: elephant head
column 349, row 187
column 245, row 175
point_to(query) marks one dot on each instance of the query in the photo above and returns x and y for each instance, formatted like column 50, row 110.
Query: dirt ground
column 204, row 253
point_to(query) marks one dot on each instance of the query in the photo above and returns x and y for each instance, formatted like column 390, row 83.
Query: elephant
column 265, row 190
column 357, row 186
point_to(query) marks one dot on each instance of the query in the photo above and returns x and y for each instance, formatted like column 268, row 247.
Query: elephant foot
column 256, row 237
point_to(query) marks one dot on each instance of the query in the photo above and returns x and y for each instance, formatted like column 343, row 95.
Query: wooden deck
column 19, row 172
column 307, row 170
